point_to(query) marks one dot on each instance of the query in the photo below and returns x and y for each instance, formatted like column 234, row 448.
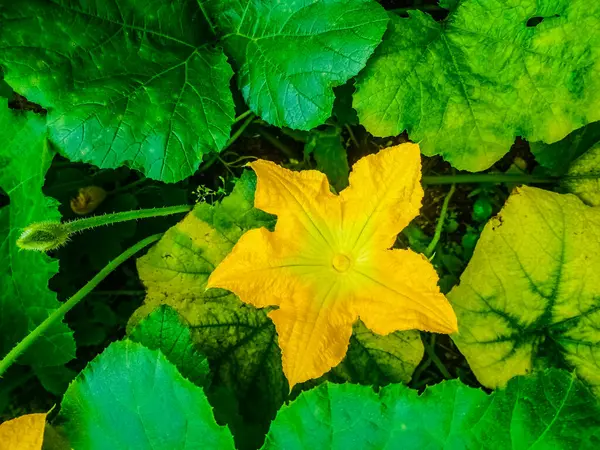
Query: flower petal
column 401, row 293
column 314, row 329
column 23, row 433
column 262, row 269
column 383, row 197
column 298, row 199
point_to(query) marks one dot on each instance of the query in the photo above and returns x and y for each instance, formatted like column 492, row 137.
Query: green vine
column 59, row 313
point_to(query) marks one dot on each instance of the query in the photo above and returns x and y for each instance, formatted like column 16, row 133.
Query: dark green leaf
column 557, row 157
column 330, row 155
column 131, row 82
column 164, row 330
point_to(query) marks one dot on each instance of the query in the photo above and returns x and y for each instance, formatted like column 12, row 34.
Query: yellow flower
column 328, row 261
column 23, row 433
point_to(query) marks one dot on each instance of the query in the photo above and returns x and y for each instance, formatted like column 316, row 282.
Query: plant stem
column 59, row 313
column 242, row 116
column 124, row 216
column 352, row 136
column 430, row 350
column 209, row 162
column 240, row 130
column 440, row 224
column 477, row 178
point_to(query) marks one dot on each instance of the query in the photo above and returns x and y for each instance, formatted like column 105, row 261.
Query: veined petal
column 314, row 328
column 299, row 199
column 400, row 292
column 262, row 269
column 384, row 195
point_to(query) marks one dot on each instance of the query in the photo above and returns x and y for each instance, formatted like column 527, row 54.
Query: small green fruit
column 43, row 236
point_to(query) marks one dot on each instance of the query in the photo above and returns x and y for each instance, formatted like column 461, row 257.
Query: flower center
column 341, row 263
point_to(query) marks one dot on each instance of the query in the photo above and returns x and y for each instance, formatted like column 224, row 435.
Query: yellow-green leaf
column 328, row 261
column 23, row 433
column 529, row 297
column 583, row 177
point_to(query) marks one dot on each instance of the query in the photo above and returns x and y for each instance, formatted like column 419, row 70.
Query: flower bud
column 87, row 200
column 43, row 236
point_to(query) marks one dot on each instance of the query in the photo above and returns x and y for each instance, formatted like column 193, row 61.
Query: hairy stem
column 124, row 216
column 440, row 224
column 59, row 313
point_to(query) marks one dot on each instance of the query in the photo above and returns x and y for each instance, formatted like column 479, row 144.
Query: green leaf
column 240, row 341
column 558, row 157
column 378, row 360
column 133, row 82
column 131, row 397
column 585, row 173
column 289, row 55
column 330, row 155
column 164, row 330
column 550, row 410
column 55, row 379
column 25, row 299
column 465, row 88
column 528, row 298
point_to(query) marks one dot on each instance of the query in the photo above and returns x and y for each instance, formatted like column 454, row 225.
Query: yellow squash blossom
column 329, row 262
column 23, row 433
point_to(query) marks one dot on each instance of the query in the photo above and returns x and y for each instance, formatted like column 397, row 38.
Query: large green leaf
column 549, row 411
column 131, row 397
column 465, row 88
column 164, row 330
column 529, row 297
column 25, row 299
column 129, row 82
column 289, row 55
column 239, row 340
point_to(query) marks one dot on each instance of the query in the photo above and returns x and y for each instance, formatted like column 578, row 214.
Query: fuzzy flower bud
column 44, row 236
